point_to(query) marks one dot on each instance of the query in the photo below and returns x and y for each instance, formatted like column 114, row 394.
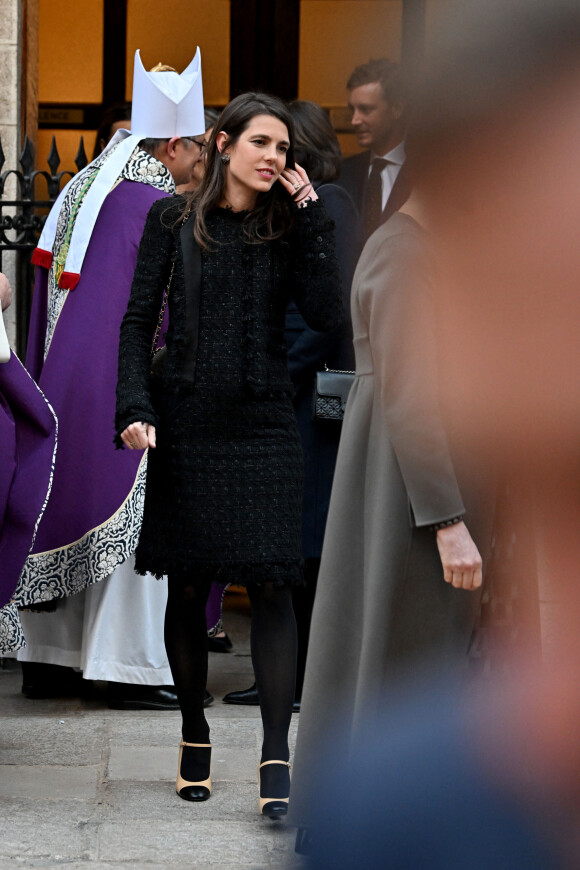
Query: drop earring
column 225, row 158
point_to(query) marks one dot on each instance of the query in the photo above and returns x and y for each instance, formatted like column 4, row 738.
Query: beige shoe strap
column 201, row 745
column 264, row 763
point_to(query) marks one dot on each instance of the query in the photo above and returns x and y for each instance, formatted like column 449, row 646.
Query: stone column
column 28, row 60
column 9, row 120
column 18, row 101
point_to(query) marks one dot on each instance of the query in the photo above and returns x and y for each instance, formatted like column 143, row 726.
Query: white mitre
column 164, row 105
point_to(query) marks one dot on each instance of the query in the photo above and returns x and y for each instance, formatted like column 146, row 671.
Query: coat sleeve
column 138, row 326
column 395, row 281
column 311, row 349
column 316, row 290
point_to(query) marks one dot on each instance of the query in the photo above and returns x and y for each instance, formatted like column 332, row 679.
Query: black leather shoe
column 40, row 681
column 219, row 644
column 128, row 696
column 245, row 697
column 249, row 698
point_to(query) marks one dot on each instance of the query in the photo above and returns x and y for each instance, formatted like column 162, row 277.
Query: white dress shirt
column 396, row 158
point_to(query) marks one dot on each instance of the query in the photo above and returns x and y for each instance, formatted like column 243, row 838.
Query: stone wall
column 10, row 57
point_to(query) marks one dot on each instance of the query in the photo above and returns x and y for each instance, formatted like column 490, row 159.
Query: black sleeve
column 316, row 291
column 138, row 326
column 312, row 349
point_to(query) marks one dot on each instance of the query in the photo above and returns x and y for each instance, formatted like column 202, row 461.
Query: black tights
column 186, row 645
column 273, row 644
column 303, row 601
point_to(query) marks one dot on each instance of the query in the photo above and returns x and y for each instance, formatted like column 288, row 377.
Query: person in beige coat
column 410, row 516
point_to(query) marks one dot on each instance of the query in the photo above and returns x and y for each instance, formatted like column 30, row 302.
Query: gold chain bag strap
column 158, row 354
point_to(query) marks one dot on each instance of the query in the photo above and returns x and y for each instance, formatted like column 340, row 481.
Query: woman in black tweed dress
column 224, row 485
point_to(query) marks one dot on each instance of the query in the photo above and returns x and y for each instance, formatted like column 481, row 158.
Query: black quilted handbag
column 331, row 389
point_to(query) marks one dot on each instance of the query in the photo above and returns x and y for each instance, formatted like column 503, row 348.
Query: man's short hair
column 151, row 145
column 383, row 71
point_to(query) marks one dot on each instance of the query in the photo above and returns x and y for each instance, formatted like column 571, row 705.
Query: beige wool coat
column 382, row 607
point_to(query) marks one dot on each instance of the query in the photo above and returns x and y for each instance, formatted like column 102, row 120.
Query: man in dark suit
column 375, row 178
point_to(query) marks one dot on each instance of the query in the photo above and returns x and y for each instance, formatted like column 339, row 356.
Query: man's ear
column 221, row 140
column 171, row 145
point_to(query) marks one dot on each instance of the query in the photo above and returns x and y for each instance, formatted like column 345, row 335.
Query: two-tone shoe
column 270, row 806
column 195, row 764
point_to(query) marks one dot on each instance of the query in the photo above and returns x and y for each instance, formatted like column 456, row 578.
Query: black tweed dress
column 224, row 486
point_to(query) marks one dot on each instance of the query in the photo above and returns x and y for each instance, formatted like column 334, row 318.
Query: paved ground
column 84, row 786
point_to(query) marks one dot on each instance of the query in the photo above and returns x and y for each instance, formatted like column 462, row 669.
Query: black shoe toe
column 275, row 809
column 194, row 793
column 247, row 697
column 219, row 644
column 41, row 681
column 127, row 696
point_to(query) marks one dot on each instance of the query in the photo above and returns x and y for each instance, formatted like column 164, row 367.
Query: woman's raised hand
column 298, row 185
column 138, row 436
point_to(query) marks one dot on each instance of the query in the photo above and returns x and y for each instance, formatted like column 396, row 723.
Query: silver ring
column 296, row 185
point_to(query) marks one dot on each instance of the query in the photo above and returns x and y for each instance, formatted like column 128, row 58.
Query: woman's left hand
column 298, row 185
column 460, row 557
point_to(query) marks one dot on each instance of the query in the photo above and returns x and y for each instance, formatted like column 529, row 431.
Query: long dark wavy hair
column 317, row 148
column 272, row 216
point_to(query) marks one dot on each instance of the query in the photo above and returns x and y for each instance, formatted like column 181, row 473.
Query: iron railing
column 22, row 219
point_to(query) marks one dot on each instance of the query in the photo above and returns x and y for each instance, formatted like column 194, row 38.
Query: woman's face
column 256, row 159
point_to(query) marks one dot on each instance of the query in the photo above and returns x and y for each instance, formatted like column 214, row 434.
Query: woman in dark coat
column 309, row 350
column 318, row 151
column 224, row 485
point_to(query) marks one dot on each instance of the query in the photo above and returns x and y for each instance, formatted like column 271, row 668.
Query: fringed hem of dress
column 287, row 573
